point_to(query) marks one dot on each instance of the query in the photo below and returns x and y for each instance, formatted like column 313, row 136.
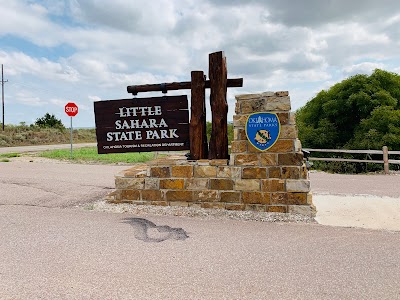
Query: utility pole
column 2, row 91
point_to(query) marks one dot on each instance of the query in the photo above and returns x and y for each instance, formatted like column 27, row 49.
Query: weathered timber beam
column 185, row 85
column 198, row 132
column 218, row 147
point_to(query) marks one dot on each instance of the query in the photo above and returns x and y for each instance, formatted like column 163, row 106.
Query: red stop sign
column 71, row 109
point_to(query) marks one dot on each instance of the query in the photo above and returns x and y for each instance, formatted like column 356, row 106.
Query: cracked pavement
column 49, row 250
column 54, row 184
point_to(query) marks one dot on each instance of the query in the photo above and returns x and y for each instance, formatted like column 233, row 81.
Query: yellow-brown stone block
column 273, row 185
column 172, row 184
column 195, row 205
column 219, row 162
column 246, row 159
column 151, row 195
column 292, row 118
column 277, row 104
column 290, row 159
column 245, row 97
column 230, row 196
column 162, row 172
column 282, row 146
column 179, row 195
column 274, row 172
column 238, row 146
column 230, row 206
column 130, row 195
column 159, row 203
column 206, row 196
column 297, row 198
column 254, row 173
column 237, row 108
column 277, row 208
column 138, row 171
column 247, row 185
column 291, row 172
column 301, row 185
column 305, row 210
column 283, row 118
column 205, row 171
column 282, row 93
column 256, row 207
column 288, row 132
column 197, row 183
column 255, row 198
column 221, row 184
column 239, row 120
column 182, row 171
column 268, row 159
column 229, row 172
column 303, row 172
column 151, row 183
column 279, row 198
column 129, row 183
column 309, row 198
column 253, row 105
column 239, row 134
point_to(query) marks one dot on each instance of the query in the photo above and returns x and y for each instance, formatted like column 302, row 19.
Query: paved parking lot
column 52, row 248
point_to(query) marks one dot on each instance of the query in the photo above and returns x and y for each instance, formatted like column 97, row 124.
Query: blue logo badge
column 262, row 130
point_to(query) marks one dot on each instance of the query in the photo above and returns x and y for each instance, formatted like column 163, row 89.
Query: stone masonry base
column 272, row 181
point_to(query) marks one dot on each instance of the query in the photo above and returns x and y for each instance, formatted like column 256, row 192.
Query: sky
column 60, row 51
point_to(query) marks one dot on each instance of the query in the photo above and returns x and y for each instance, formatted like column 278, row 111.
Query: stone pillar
column 281, row 170
column 275, row 180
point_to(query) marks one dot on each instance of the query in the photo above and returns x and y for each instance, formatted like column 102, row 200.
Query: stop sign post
column 71, row 109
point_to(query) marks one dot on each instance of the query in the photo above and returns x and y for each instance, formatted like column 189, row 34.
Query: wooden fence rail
column 384, row 152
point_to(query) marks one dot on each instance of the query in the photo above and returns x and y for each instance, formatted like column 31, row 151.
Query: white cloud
column 26, row 98
column 362, row 68
column 300, row 46
column 94, row 98
column 20, row 63
column 58, row 102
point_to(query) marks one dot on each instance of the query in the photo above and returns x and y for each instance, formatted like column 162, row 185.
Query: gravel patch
column 199, row 213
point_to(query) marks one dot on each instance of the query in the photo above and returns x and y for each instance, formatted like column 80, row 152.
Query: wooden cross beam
column 173, row 86
column 218, row 84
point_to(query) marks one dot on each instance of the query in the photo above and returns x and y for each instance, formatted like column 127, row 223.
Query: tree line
column 361, row 112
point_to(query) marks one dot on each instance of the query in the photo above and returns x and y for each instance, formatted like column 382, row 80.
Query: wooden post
column 385, row 159
column 219, row 106
column 198, row 134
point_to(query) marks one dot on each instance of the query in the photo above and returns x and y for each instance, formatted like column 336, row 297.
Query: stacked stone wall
column 272, row 181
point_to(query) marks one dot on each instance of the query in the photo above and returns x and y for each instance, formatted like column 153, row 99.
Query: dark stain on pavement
column 147, row 231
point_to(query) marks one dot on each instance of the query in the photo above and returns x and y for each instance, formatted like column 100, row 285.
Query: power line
column 2, row 91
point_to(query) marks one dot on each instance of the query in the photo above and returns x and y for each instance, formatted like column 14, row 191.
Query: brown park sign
column 142, row 124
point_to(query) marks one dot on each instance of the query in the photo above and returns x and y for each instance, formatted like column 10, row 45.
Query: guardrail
column 384, row 152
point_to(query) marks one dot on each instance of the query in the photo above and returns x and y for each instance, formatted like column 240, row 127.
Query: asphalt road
column 51, row 248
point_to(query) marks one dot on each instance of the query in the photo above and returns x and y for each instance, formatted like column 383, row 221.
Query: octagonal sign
column 71, row 109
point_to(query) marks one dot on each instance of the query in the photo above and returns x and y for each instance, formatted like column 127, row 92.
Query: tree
column 49, row 121
column 361, row 112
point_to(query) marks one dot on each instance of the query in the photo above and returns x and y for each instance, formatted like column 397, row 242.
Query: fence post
column 385, row 159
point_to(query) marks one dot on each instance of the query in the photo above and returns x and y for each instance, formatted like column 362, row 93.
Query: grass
column 9, row 155
column 89, row 154
column 23, row 135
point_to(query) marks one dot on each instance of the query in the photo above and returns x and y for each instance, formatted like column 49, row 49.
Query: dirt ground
column 367, row 201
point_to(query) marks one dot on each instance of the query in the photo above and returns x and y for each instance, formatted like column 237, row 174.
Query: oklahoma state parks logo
column 262, row 130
